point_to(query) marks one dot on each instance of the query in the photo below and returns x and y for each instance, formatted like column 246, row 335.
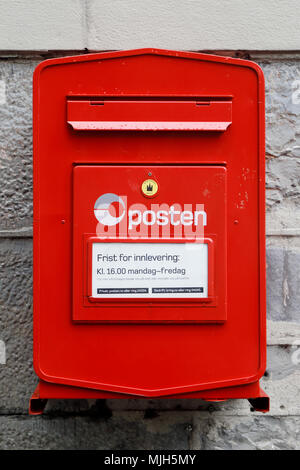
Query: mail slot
column 150, row 115
column 149, row 258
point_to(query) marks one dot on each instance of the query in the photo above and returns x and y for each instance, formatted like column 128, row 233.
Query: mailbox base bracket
column 258, row 399
column 37, row 404
column 261, row 403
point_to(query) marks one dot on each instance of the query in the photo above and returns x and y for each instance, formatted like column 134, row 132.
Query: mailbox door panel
column 170, row 248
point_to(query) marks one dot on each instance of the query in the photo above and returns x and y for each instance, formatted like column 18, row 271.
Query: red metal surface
column 149, row 115
column 216, row 360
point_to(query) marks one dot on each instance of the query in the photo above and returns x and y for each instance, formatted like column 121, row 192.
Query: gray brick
column 124, row 430
column 282, row 332
column 16, row 141
column 16, row 145
column 280, row 363
column 15, row 192
column 283, row 282
column 282, row 111
column 16, row 111
column 245, row 433
column 292, row 285
column 275, row 275
column 168, row 431
column 283, row 195
column 16, row 376
column 283, row 175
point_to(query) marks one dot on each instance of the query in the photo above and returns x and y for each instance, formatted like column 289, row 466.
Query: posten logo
column 149, row 188
column 114, row 215
column 102, row 209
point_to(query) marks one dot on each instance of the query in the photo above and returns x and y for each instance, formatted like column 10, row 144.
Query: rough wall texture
column 151, row 424
column 130, row 24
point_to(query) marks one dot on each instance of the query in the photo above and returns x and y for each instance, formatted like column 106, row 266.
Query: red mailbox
column 149, row 238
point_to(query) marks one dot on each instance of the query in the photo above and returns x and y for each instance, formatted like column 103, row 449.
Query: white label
column 149, row 270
